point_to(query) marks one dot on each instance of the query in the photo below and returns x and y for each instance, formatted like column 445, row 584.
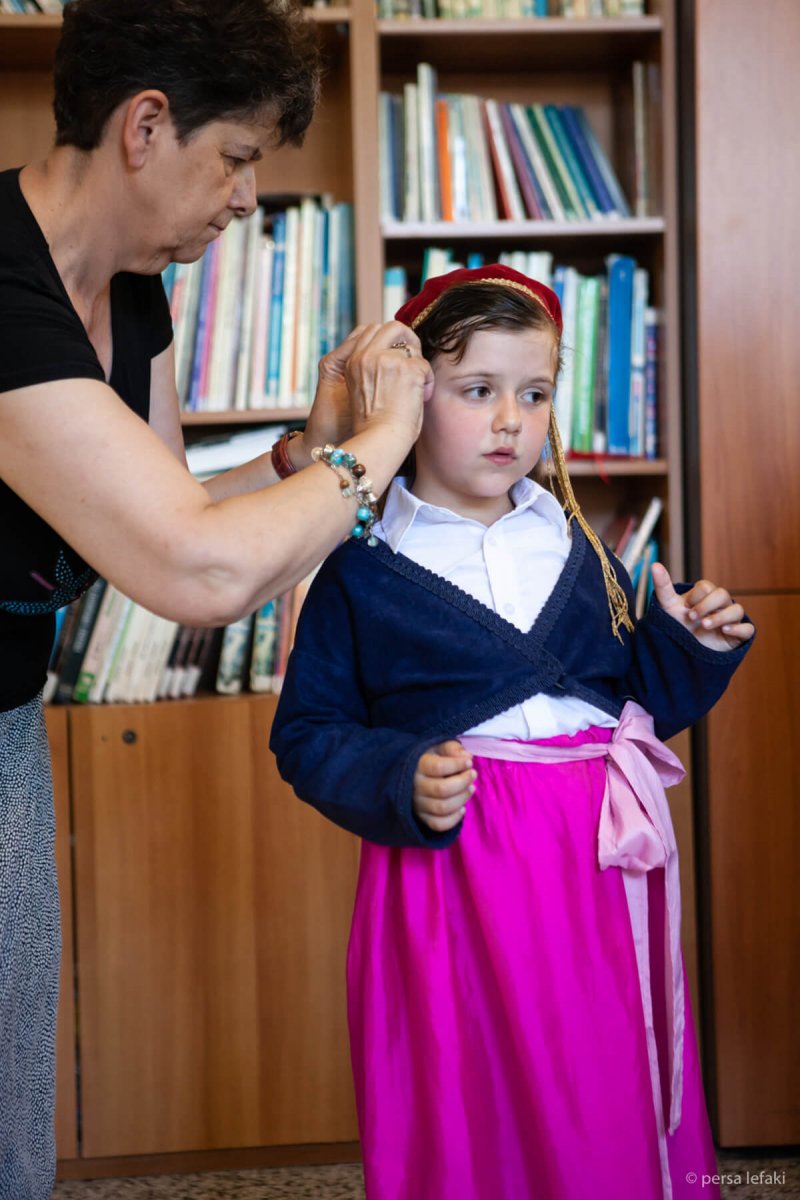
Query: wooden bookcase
column 210, row 908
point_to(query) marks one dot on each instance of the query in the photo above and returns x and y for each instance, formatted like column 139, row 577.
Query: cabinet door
column 66, row 1107
column 754, row 801
column 212, row 913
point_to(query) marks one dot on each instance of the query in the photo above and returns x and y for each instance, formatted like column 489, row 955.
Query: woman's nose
column 244, row 199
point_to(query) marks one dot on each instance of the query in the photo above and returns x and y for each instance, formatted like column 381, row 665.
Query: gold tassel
column 617, row 600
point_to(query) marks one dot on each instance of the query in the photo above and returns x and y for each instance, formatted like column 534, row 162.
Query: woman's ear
column 146, row 120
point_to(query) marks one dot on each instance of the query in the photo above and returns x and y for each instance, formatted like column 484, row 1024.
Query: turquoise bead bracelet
column 352, row 482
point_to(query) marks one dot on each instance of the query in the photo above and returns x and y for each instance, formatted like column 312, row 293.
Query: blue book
column 603, row 165
column 584, row 155
column 202, row 329
column 474, row 260
column 276, row 306
column 620, row 311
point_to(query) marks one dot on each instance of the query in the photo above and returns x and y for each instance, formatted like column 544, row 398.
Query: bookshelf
column 212, row 1001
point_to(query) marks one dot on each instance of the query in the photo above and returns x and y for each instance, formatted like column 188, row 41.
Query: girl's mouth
column 501, row 457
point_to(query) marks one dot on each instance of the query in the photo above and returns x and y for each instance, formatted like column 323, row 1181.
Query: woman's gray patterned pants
column 30, row 947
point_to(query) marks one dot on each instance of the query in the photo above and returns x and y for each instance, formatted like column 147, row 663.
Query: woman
column 162, row 108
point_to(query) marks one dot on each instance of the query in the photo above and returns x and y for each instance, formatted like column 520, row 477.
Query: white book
column 411, row 205
column 163, row 636
column 262, row 328
column 540, row 266
column 100, row 640
column 289, row 314
column 394, row 291
column 322, row 220
column 564, row 391
column 309, row 216
column 231, row 668
column 458, row 158
column 118, row 690
column 331, row 316
column 426, row 137
column 641, row 536
column 113, row 654
column 141, row 663
column 483, row 205
column 227, row 318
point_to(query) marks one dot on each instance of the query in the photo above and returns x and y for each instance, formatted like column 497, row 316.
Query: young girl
column 469, row 694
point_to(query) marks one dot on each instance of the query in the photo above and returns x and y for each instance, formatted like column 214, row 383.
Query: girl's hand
column 706, row 610
column 443, row 785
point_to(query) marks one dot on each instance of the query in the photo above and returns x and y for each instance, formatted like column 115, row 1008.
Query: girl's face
column 486, row 423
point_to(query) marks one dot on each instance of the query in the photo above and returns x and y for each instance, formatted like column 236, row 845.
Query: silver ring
column 404, row 346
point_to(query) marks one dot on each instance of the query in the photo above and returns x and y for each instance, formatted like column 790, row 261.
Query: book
column 233, row 657
column 265, row 639
column 636, row 411
column 652, row 333
column 73, row 652
column 535, row 204
column 591, row 170
column 512, row 206
column 552, row 208
column 445, row 166
column 587, row 319
column 644, row 531
column 582, row 187
column 411, row 200
column 620, row 313
column 429, row 188
column 556, row 168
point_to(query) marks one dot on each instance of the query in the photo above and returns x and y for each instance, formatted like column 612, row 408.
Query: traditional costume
column 520, row 1028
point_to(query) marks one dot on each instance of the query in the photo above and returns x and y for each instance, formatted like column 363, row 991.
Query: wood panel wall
column 747, row 95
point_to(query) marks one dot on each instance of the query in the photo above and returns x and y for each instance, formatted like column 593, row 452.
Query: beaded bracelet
column 354, row 483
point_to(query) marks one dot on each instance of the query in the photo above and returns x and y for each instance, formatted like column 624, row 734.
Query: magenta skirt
column 496, row 1021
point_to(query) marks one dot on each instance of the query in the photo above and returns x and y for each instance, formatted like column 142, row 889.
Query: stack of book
column 631, row 538
column 110, row 650
column 266, row 301
column 492, row 9
column 607, row 398
column 463, row 158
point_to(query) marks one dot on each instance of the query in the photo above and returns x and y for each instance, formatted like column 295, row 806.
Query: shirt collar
column 403, row 509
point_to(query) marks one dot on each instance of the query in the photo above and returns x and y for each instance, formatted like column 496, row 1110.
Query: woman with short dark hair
column 162, row 108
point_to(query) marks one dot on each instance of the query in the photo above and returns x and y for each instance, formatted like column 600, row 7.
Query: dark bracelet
column 282, row 464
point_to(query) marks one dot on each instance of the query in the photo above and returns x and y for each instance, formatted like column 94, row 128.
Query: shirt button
column 509, row 608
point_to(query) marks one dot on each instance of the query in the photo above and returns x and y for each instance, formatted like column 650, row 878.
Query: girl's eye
column 534, row 396
column 478, row 391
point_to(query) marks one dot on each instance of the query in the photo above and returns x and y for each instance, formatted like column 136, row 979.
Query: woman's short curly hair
column 213, row 59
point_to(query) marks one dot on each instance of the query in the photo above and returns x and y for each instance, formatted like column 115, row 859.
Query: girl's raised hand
column 706, row 610
column 443, row 785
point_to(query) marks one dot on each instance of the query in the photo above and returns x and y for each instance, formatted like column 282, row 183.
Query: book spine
column 585, row 355
column 503, row 164
column 652, row 362
column 588, row 204
column 620, row 313
column 638, row 360
column 274, row 344
column 555, row 166
column 411, row 201
column 552, row 208
column 524, row 171
column 602, row 195
column 603, row 165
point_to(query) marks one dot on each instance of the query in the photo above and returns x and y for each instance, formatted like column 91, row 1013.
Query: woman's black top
column 42, row 339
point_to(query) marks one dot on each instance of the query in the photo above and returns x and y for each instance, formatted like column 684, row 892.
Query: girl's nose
column 508, row 416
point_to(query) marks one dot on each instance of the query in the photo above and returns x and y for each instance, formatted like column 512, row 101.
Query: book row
column 32, row 6
column 607, row 399
column 459, row 157
column 110, row 650
column 267, row 300
column 514, row 9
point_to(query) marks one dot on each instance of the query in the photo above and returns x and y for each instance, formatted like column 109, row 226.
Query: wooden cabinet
column 747, row 501
column 212, row 919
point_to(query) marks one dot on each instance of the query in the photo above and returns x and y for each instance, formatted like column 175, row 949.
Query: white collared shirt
column 511, row 567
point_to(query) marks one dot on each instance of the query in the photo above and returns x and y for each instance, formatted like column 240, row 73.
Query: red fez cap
column 415, row 310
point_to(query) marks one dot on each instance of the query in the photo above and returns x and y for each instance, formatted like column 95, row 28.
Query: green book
column 555, row 164
column 587, row 325
column 553, row 116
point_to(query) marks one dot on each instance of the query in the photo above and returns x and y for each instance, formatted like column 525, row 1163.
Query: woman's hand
column 443, row 783
column 330, row 418
column 388, row 379
column 706, row 610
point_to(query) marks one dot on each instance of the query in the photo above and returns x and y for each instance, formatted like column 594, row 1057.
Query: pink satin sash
column 635, row 834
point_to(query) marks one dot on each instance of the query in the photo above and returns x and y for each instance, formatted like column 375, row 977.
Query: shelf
column 616, row 466
column 29, row 42
column 452, row 231
column 549, row 44
column 251, row 416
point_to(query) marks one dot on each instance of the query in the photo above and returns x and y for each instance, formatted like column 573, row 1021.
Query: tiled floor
column 776, row 1177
